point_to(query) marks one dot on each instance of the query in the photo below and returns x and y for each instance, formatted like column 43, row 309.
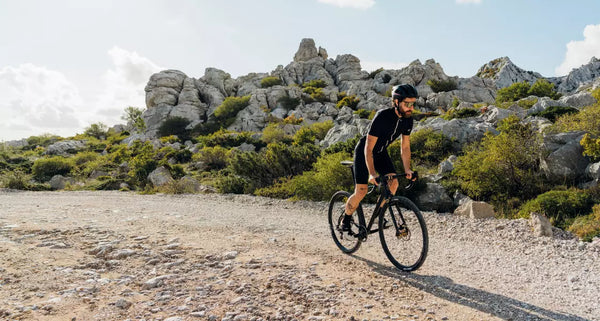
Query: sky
column 66, row 64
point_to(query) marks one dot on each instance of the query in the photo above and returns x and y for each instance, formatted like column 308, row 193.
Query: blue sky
column 65, row 64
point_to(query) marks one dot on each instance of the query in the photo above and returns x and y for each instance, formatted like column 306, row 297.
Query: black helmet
column 404, row 91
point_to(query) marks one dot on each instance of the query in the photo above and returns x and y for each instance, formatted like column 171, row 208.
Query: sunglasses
column 409, row 104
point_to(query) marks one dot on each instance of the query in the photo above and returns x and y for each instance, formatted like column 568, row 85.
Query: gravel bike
column 401, row 226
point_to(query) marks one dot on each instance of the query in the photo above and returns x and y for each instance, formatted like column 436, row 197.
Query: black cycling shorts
column 383, row 163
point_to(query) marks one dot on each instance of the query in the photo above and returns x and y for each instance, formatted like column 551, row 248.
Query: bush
column 133, row 117
column 98, row 130
column 350, row 101
column 362, row 113
column 232, row 184
column 44, row 168
column 504, row 166
column 326, row 177
column 587, row 227
column 553, row 112
column 519, row 90
column 315, row 93
column 455, row 102
column 292, row 120
column 559, row 206
column 591, row 147
column 177, row 186
column 42, row 140
column 274, row 133
column 16, row 180
column 316, row 83
column 225, row 114
column 270, row 82
column 527, row 103
column 288, row 103
column 442, row 85
column 175, row 126
column 308, row 134
column 347, row 146
column 586, row 120
column 215, row 157
column 141, row 164
column 428, row 148
column 227, row 139
column 461, row 113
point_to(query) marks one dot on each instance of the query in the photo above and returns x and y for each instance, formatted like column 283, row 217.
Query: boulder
column 505, row 73
column 540, row 225
column 160, row 176
column 593, row 171
column 460, row 198
column 191, row 183
column 475, row 209
column 579, row 100
column 543, row 103
column 434, row 198
column 164, row 87
column 219, row 79
column 65, row 147
column 494, row 114
column 447, row 165
column 60, row 182
column 464, row 130
column 306, row 51
column 565, row 160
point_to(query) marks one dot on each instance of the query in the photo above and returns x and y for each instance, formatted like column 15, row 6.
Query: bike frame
column 384, row 196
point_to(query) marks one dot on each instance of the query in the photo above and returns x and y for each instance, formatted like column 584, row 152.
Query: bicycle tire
column 345, row 241
column 405, row 248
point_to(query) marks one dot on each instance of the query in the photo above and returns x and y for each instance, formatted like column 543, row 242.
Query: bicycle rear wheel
column 349, row 241
column 404, row 237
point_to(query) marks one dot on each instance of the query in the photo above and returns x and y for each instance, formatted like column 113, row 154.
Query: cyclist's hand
column 373, row 179
column 409, row 176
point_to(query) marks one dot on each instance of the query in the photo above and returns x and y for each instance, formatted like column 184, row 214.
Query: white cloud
column 374, row 65
column 580, row 52
column 356, row 4
column 35, row 100
column 468, row 1
column 124, row 84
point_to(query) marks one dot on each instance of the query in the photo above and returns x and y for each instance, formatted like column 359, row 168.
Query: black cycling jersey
column 387, row 126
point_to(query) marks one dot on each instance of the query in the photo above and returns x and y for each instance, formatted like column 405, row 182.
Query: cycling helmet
column 404, row 91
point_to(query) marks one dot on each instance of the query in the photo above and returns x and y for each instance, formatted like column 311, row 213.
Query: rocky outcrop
column 463, row 131
column 578, row 77
column 65, row 147
column 565, row 160
column 505, row 73
column 160, row 176
column 434, row 198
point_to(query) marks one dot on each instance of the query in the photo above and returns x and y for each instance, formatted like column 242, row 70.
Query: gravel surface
column 124, row 256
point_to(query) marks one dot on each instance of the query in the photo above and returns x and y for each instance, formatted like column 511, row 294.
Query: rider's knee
column 361, row 192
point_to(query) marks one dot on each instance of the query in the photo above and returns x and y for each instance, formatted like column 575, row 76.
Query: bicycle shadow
column 498, row 305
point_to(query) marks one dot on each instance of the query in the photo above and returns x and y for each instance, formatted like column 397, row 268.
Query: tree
column 133, row 117
column 97, row 130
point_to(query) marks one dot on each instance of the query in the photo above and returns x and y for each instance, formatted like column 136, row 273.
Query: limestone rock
column 578, row 77
column 160, row 176
column 475, row 209
column 593, row 171
column 306, row 51
column 447, row 165
column 220, row 80
column 58, row 182
column 579, row 100
column 164, row 87
column 505, row 73
column 192, row 183
column 540, row 224
column 464, row 130
column 565, row 159
column 65, row 147
column 434, row 198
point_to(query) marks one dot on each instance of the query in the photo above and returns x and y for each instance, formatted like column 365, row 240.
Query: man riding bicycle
column 371, row 156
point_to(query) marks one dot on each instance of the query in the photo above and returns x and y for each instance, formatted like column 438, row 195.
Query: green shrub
column 225, row 114
column 326, row 177
column 347, row 146
column 44, row 168
column 278, row 160
column 455, row 102
column 98, row 130
column 16, row 180
column 513, row 92
column 293, row 120
column 519, row 90
column 274, row 133
column 315, row 93
column 586, row 120
column 527, row 103
column 288, row 103
column 232, row 184
column 228, row 139
column 141, row 164
column 591, row 147
column 362, row 113
column 543, row 88
column 308, row 134
column 316, row 83
column 587, row 227
column 461, row 113
column 559, row 206
column 215, row 157
column 133, row 117
column 175, row 126
column 442, row 85
column 42, row 140
column 504, row 166
column 105, row 183
column 428, row 147
column 350, row 101
column 270, row 82
column 177, row 186
column 553, row 112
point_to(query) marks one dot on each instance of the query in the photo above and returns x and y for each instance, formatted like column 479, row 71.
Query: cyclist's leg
column 361, row 178
column 360, row 190
column 384, row 164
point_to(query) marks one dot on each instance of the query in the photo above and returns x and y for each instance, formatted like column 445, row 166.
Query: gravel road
column 124, row 256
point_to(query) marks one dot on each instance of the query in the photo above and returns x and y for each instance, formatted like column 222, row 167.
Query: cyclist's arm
column 406, row 155
column 369, row 146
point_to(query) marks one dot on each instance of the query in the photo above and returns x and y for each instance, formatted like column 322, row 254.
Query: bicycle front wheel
column 347, row 241
column 404, row 234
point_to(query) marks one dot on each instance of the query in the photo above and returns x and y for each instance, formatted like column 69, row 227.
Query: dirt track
column 118, row 256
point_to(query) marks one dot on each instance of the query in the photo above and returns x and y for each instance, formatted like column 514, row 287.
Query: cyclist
column 370, row 154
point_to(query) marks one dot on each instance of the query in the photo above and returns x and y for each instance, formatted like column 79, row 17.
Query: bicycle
column 404, row 235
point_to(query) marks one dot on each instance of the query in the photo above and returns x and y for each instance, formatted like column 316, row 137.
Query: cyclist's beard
column 403, row 113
